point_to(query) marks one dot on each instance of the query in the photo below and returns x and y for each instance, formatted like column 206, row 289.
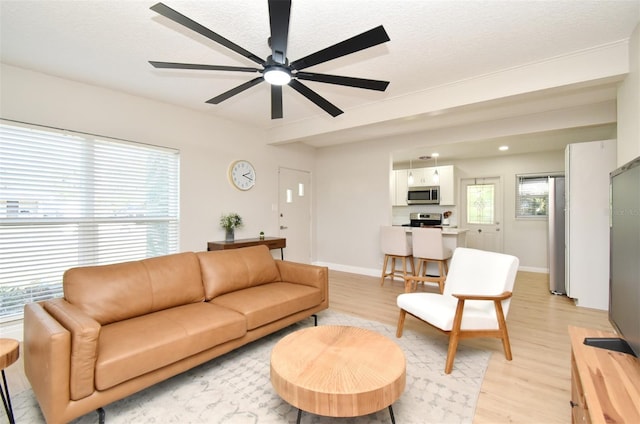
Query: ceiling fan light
column 277, row 75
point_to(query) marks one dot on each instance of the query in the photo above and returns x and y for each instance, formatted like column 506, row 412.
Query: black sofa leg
column 315, row 320
column 101, row 415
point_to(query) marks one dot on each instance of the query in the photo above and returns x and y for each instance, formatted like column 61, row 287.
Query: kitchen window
column 69, row 199
column 532, row 195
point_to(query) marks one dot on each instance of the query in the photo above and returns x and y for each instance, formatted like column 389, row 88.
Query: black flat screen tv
column 624, row 269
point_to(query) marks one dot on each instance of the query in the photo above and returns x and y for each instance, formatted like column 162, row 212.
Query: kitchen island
column 452, row 237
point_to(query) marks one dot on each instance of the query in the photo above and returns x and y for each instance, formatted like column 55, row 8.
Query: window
column 69, row 199
column 532, row 196
column 480, row 204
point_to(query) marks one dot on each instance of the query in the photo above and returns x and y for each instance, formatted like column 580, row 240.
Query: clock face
column 242, row 175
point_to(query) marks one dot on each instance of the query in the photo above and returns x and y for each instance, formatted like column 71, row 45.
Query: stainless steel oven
column 425, row 219
column 425, row 195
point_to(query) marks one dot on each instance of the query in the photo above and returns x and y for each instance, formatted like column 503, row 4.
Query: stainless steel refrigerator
column 556, row 249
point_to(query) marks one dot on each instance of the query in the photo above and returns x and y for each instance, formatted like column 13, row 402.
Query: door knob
column 282, row 227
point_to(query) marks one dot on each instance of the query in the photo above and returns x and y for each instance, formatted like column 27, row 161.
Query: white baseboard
column 352, row 269
column 534, row 269
column 376, row 272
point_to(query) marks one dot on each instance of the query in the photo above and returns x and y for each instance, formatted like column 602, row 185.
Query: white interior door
column 481, row 201
column 294, row 208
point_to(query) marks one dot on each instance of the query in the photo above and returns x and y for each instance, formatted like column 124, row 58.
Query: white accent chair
column 394, row 244
column 428, row 247
column 475, row 301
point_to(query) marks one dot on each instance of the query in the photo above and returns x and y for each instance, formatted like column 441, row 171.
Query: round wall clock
column 242, row 175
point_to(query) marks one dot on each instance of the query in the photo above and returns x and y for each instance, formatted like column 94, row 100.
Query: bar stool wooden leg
column 384, row 269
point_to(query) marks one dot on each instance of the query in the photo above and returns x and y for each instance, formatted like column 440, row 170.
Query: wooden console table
column 270, row 242
column 605, row 385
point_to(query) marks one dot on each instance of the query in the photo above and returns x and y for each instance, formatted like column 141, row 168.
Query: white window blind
column 68, row 199
column 532, row 196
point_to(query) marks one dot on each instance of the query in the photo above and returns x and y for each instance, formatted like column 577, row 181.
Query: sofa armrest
column 309, row 275
column 85, row 332
column 46, row 352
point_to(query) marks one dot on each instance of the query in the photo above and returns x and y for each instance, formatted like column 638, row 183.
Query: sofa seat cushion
column 270, row 302
column 130, row 348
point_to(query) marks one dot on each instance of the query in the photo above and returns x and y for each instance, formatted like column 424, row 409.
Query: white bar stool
column 395, row 245
column 428, row 247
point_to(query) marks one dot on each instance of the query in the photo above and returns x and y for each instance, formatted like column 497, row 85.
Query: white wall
column 524, row 238
column 353, row 189
column 207, row 146
column 629, row 105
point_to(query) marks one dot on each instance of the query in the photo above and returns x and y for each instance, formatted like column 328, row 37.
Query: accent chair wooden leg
column 451, row 352
column 403, row 315
column 454, row 336
column 504, row 334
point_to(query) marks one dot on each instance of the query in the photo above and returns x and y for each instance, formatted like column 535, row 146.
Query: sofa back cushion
column 110, row 293
column 224, row 271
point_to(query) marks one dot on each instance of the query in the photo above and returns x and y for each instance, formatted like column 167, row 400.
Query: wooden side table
column 9, row 353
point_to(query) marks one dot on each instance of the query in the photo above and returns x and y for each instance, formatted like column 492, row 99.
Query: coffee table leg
column 299, row 416
column 393, row 419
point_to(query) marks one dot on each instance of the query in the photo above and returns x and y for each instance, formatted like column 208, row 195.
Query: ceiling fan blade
column 174, row 65
column 276, row 101
column 234, row 91
column 320, row 101
column 367, row 39
column 279, row 13
column 179, row 18
column 369, row 84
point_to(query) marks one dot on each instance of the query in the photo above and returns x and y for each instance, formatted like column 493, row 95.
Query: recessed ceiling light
column 503, row 148
column 435, row 155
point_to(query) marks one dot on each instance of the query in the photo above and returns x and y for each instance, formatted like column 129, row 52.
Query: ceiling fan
column 276, row 69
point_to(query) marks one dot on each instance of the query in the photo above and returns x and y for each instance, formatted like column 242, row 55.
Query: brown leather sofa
column 124, row 327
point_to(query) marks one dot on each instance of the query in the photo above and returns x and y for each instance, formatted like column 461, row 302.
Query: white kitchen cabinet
column 447, row 184
column 421, row 177
column 424, row 177
column 400, row 187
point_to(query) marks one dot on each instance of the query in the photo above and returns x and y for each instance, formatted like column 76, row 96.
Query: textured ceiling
column 108, row 43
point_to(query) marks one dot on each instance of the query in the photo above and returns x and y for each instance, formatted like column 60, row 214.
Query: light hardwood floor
column 532, row 388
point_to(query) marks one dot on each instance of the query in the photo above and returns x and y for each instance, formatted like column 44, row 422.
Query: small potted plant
column 261, row 235
column 445, row 216
column 230, row 222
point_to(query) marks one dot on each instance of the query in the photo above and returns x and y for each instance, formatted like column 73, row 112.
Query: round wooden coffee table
column 338, row 371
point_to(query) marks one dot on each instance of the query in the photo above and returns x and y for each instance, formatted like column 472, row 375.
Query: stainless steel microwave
column 425, row 195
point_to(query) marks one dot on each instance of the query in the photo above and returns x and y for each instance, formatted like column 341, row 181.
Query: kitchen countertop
column 445, row 230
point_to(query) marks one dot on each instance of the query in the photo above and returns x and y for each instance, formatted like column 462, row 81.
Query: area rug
column 236, row 389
